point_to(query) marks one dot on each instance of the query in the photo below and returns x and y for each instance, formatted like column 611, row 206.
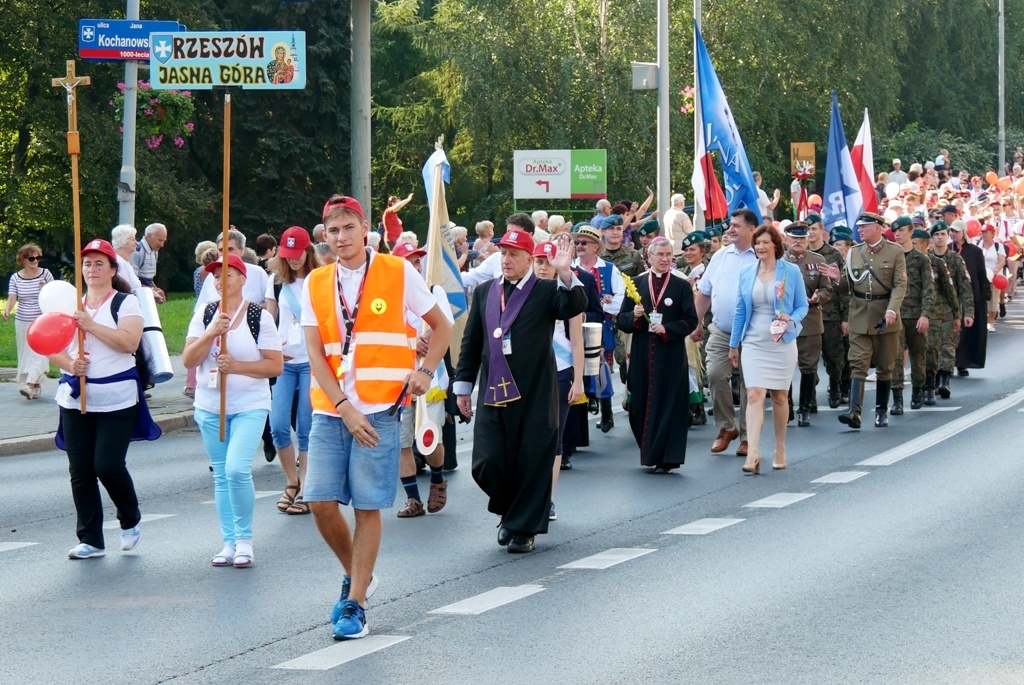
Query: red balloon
column 999, row 282
column 973, row 228
column 51, row 333
column 1011, row 249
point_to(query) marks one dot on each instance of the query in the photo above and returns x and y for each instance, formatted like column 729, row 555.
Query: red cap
column 545, row 249
column 234, row 261
column 517, row 238
column 294, row 242
column 406, row 250
column 100, row 245
column 344, row 202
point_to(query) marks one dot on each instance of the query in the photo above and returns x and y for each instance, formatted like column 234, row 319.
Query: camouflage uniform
column 631, row 264
column 954, row 286
column 835, row 347
column 918, row 302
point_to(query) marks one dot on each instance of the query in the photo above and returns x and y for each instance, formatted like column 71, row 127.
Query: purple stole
column 501, row 387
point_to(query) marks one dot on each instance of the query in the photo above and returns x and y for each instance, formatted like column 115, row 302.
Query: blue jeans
column 294, row 378
column 233, row 492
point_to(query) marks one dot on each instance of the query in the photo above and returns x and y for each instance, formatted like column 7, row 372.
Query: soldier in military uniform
column 819, row 293
column 629, row 262
column 834, row 345
column 916, row 314
column 691, row 264
column 876, row 278
column 841, row 238
column 647, row 231
column 942, row 340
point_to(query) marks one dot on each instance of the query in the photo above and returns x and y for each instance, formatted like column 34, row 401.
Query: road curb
column 42, row 443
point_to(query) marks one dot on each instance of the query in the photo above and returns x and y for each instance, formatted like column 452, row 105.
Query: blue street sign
column 119, row 39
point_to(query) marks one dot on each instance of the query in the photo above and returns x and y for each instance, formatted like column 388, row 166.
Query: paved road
column 907, row 574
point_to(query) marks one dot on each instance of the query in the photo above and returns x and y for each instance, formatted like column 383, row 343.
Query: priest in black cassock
column 508, row 340
column 659, row 382
column 971, row 351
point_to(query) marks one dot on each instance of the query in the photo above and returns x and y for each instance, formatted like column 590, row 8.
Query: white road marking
column 608, row 558
column 8, row 546
column 491, row 599
column 923, row 409
column 841, row 477
column 260, row 494
column 779, row 500
column 342, row 652
column 146, row 518
column 703, row 526
column 932, row 438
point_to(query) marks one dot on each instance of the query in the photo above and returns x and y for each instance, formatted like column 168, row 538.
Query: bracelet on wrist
column 427, row 371
column 337, row 405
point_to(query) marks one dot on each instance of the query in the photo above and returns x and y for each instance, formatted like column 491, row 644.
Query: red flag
column 864, row 165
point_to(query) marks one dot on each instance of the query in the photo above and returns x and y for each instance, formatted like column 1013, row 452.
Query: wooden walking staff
column 224, row 254
column 69, row 83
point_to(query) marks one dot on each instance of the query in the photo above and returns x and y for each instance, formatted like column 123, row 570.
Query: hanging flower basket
column 159, row 114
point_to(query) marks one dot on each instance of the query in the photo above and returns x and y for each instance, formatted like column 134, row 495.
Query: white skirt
column 32, row 367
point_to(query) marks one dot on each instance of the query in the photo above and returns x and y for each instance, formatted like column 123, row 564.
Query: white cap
column 897, row 161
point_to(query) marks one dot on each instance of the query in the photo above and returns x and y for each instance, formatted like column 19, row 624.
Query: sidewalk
column 30, row 426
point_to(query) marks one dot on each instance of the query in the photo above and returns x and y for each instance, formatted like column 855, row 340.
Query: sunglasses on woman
column 34, row 258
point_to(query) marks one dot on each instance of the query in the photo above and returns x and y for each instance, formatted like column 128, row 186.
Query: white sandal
column 226, row 557
column 243, row 554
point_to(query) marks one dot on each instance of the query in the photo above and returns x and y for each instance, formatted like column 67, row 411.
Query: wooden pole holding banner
column 224, row 254
column 69, row 83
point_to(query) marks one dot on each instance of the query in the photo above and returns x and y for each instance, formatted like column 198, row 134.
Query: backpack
column 252, row 317
column 140, row 361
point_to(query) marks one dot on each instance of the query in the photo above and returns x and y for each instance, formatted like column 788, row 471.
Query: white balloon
column 58, row 296
column 892, row 189
column 891, row 215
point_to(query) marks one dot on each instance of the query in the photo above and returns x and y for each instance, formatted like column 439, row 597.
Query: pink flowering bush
column 158, row 113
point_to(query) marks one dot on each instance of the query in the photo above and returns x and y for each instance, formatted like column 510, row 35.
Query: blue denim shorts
column 339, row 468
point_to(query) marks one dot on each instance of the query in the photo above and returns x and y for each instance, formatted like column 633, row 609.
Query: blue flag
column 842, row 203
column 719, row 132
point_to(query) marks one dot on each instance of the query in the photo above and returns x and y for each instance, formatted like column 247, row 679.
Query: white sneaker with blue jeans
column 84, row 551
column 130, row 538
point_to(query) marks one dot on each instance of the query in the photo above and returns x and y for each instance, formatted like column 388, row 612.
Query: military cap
column 648, row 227
column 920, row 234
column 609, row 221
column 840, row 233
column 866, row 218
column 695, row 238
column 713, row 232
column 813, row 219
column 901, row 222
column 797, row 229
column 580, row 224
column 938, row 226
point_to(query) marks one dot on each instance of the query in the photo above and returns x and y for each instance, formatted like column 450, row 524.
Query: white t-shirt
column 992, row 255
column 417, row 301
column 488, row 269
column 243, row 392
column 254, row 290
column 104, row 361
column 762, row 204
column 293, row 338
column 127, row 272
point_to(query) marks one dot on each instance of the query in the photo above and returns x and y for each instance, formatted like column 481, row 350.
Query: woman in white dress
column 770, row 305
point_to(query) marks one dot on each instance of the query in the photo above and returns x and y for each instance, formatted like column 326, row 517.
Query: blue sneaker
column 346, row 587
column 84, row 551
column 352, row 623
column 130, row 539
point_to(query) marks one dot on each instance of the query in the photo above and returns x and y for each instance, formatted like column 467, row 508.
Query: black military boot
column 943, row 388
column 897, row 401
column 852, row 417
column 929, row 390
column 806, row 393
column 607, row 421
column 844, row 392
column 697, row 415
column 882, row 389
column 915, row 398
column 833, row 394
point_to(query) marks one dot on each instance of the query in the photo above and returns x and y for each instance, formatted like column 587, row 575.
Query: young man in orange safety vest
column 363, row 361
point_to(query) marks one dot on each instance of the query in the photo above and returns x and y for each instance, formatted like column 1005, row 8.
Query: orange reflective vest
column 384, row 344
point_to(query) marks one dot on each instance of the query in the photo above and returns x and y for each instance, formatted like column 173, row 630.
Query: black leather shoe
column 566, row 464
column 269, row 452
column 963, row 373
column 504, row 535
column 520, row 544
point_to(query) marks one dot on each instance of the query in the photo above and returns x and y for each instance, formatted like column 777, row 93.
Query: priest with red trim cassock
column 508, row 341
column 659, row 382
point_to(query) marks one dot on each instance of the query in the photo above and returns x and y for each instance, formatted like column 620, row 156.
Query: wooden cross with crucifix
column 69, row 83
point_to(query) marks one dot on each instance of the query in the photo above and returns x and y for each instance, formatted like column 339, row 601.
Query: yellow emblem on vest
column 378, row 306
